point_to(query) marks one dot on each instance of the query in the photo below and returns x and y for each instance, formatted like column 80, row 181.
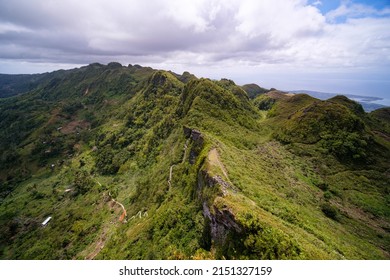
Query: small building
column 44, row 223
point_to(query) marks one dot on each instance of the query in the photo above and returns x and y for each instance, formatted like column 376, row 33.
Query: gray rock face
column 197, row 142
column 220, row 222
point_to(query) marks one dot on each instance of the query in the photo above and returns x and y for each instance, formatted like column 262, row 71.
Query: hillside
column 369, row 103
column 11, row 85
column 137, row 163
column 254, row 90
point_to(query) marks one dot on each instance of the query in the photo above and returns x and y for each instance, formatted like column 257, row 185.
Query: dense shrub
column 330, row 211
column 260, row 241
column 105, row 163
column 82, row 182
column 345, row 144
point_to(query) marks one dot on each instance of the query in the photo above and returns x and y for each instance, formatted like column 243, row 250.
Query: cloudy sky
column 332, row 46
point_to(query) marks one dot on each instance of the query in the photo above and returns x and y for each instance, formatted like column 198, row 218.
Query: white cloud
column 317, row 3
column 282, row 20
column 203, row 32
column 196, row 15
column 349, row 9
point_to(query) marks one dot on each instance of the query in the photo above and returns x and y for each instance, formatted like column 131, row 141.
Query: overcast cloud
column 245, row 38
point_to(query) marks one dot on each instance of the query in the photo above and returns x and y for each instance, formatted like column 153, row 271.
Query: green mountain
column 254, row 90
column 136, row 163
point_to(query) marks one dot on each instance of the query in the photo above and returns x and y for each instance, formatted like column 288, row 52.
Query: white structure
column 46, row 221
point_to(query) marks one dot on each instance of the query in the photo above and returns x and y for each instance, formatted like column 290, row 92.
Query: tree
column 82, row 182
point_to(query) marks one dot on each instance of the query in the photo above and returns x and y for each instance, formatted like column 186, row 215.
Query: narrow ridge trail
column 214, row 159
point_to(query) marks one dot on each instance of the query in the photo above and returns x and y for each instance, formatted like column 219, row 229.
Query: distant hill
column 130, row 162
column 17, row 84
column 253, row 90
column 369, row 103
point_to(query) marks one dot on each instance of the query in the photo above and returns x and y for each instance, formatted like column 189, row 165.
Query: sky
column 340, row 46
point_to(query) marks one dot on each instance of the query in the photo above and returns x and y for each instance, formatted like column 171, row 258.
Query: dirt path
column 99, row 245
column 170, row 177
column 213, row 158
column 123, row 217
column 104, row 236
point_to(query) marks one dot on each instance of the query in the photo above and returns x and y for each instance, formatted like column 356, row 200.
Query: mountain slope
column 136, row 163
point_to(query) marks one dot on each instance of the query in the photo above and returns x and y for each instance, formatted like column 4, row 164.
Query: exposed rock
column 187, row 131
column 219, row 222
column 224, row 185
column 196, row 135
column 197, row 142
column 159, row 79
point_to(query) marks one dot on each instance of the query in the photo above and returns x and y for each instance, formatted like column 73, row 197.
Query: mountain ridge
column 219, row 175
column 13, row 84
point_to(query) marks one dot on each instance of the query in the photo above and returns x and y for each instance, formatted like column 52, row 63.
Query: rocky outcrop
column 220, row 222
column 158, row 79
column 197, row 141
column 216, row 182
column 187, row 131
column 224, row 186
column 194, row 134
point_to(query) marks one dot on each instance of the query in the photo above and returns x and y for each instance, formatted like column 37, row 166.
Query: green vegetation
column 254, row 90
column 204, row 170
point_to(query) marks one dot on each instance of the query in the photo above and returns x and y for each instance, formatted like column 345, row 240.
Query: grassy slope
column 283, row 184
column 277, row 195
